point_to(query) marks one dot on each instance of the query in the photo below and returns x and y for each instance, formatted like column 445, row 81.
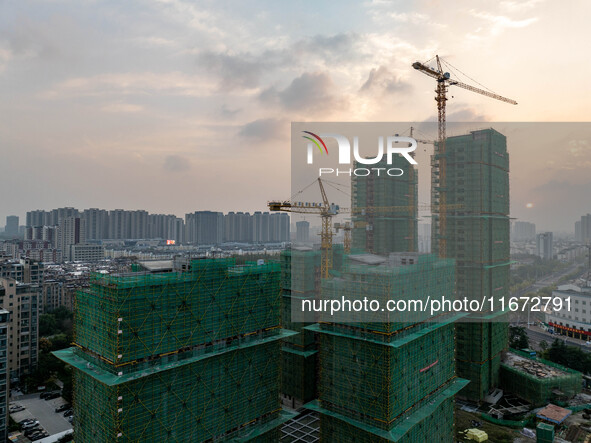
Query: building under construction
column 299, row 352
column 192, row 354
column 388, row 380
column 538, row 381
column 385, row 210
column 476, row 234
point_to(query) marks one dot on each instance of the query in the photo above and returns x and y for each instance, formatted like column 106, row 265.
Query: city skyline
column 133, row 105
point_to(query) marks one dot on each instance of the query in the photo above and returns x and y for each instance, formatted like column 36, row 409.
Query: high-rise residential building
column 524, row 231
column 238, row 227
column 388, row 380
column 4, row 374
column 379, row 227
column 38, row 217
column 279, row 227
column 204, row 228
column 21, row 300
column 50, row 234
column 302, row 231
column 11, row 225
column 578, row 236
column 476, row 234
column 72, row 231
column 97, row 223
column 138, row 227
column 201, row 364
column 57, row 215
column 544, row 246
column 586, row 228
column 260, row 227
column 119, row 224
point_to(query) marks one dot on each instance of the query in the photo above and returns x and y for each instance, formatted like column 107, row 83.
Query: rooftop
column 532, row 367
column 554, row 414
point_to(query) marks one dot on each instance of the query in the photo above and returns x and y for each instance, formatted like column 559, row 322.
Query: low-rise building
column 574, row 316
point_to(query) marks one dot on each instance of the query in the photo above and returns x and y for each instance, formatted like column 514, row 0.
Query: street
column 536, row 335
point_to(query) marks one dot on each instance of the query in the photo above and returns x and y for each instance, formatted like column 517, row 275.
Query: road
column 548, row 280
column 536, row 335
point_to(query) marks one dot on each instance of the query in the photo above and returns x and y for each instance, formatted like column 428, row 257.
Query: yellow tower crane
column 444, row 80
column 327, row 211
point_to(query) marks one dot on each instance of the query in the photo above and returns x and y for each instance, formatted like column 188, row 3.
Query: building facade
column 476, row 235
column 545, row 246
column 11, row 227
column 4, row 373
column 146, row 370
column 21, row 301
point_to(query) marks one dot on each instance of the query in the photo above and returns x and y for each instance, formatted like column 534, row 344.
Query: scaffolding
column 127, row 320
column 538, row 381
column 382, row 378
column 375, row 382
column 385, row 231
column 430, row 420
column 477, row 236
column 182, row 356
column 300, row 280
column 422, row 277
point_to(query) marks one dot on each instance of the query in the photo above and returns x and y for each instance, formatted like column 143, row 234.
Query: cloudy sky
column 181, row 105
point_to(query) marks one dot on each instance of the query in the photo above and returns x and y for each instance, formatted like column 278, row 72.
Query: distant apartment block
column 584, row 230
column 544, row 246
column 238, row 227
column 204, row 228
column 302, row 231
column 524, row 231
column 11, row 227
column 72, row 231
column 97, row 223
column 199, row 227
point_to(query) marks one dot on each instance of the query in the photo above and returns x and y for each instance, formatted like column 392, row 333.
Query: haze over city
column 172, row 106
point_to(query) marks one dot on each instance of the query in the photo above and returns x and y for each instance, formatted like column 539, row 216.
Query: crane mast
column 444, row 80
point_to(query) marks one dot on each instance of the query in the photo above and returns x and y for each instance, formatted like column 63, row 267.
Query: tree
column 543, row 345
column 518, row 337
column 47, row 325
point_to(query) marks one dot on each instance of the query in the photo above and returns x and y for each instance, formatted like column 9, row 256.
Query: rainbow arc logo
column 316, row 142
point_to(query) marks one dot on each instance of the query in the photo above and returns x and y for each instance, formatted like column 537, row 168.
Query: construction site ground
column 576, row 429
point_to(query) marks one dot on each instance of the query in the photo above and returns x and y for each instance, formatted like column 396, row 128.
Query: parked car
column 26, row 420
column 63, row 407
column 15, row 408
column 71, row 418
column 30, row 425
column 39, row 436
column 32, row 431
column 68, row 413
column 52, row 395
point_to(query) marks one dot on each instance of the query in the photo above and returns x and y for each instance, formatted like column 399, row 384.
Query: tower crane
column 327, row 211
column 444, row 81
